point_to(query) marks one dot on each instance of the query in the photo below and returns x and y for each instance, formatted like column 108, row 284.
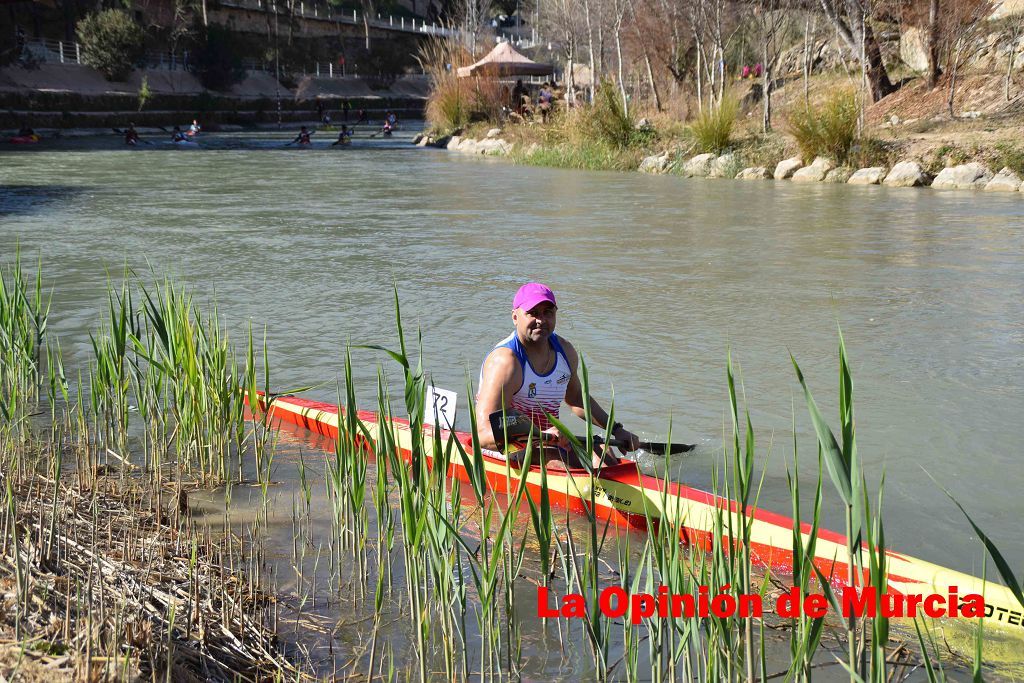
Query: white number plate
column 440, row 407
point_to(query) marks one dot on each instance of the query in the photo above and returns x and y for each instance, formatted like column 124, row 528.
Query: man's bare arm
column 574, row 392
column 574, row 399
column 500, row 377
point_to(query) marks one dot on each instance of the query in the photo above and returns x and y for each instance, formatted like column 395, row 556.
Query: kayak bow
column 621, row 494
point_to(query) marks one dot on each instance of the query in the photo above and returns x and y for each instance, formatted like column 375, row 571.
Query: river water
column 658, row 279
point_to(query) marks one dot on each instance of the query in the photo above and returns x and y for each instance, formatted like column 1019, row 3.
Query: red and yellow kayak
column 621, row 494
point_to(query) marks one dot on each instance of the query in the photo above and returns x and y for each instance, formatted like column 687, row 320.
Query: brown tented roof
column 504, row 60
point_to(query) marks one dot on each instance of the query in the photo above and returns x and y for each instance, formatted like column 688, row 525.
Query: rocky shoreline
column 906, row 173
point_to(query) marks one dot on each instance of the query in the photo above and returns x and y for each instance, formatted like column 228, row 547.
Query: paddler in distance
column 532, row 372
column 131, row 136
column 344, row 136
column 302, row 138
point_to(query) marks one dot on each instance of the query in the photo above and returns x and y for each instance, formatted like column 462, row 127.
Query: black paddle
column 518, row 426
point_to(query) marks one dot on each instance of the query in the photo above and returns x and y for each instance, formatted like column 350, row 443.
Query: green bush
column 829, row 130
column 1009, row 156
column 593, row 155
column 867, row 152
column 608, row 121
column 447, row 106
column 713, row 127
column 217, row 58
column 145, row 94
column 112, row 43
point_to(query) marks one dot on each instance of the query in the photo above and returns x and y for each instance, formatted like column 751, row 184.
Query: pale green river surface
column 657, row 279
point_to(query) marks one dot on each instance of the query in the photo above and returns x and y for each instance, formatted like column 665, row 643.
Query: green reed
column 806, row 632
column 205, row 385
column 24, row 313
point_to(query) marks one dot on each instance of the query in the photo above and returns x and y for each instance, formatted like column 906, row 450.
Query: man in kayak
column 533, row 371
column 194, row 129
column 302, row 138
column 177, row 135
column 390, row 121
column 131, row 136
column 344, row 136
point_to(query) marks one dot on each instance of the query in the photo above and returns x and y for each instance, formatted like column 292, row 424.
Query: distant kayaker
column 362, row 118
column 194, row 129
column 131, row 136
column 532, row 372
column 177, row 135
column 303, row 137
column 344, row 136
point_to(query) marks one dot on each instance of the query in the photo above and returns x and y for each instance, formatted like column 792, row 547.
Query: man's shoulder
column 568, row 349
column 566, row 344
column 500, row 355
column 502, row 361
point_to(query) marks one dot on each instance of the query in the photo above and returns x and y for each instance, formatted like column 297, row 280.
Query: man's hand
column 630, row 441
column 553, row 437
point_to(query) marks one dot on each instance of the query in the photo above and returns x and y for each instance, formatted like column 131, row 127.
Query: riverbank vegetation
column 105, row 574
column 865, row 87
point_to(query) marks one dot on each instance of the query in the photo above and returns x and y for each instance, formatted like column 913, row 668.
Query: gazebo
column 505, row 60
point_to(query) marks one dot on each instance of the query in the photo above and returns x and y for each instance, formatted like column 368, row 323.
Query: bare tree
column 808, row 38
column 369, row 8
column 711, row 33
column 619, row 8
column 852, row 21
column 474, row 14
column 646, row 53
column 963, row 20
column 770, row 21
column 563, row 20
column 669, row 13
column 933, row 43
column 696, row 12
column 595, row 65
column 1013, row 28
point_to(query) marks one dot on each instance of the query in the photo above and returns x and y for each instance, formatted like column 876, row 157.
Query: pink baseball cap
column 531, row 294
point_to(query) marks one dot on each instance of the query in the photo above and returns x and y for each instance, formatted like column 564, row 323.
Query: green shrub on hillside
column 713, row 127
column 1008, row 155
column 112, row 43
column 829, row 130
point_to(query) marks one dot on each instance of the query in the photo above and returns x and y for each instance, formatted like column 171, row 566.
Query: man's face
column 536, row 324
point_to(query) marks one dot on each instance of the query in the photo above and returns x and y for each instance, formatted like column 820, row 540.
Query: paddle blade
column 658, row 448
column 510, row 425
column 652, row 447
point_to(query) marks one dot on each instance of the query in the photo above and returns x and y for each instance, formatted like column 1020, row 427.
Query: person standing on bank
column 532, row 372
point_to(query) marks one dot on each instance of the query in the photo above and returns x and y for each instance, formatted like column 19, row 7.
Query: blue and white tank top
column 538, row 394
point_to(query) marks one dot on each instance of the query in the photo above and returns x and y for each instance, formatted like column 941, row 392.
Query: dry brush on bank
column 98, row 584
column 103, row 572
